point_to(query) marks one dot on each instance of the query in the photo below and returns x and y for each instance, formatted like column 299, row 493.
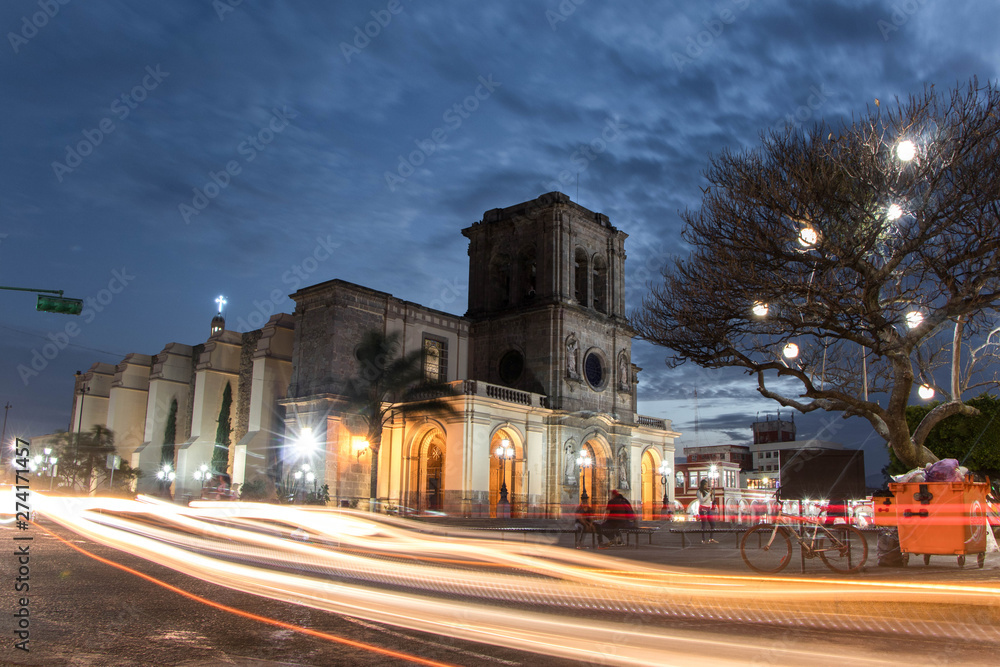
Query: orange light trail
column 533, row 597
column 254, row 617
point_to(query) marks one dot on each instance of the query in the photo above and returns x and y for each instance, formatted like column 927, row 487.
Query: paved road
column 84, row 612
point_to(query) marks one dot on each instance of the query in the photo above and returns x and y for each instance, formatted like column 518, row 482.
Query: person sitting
column 619, row 515
column 584, row 522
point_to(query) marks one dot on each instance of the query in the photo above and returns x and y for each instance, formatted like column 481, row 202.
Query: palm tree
column 388, row 384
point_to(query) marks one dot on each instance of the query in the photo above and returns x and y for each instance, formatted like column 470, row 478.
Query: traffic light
column 58, row 304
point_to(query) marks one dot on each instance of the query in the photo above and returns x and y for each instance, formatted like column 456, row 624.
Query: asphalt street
column 87, row 613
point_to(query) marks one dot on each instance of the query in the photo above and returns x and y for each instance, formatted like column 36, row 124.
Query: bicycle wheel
column 766, row 548
column 843, row 548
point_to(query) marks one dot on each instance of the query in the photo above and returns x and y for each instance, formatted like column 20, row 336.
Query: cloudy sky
column 156, row 155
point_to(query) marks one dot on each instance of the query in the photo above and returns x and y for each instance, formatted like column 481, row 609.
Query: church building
column 540, row 366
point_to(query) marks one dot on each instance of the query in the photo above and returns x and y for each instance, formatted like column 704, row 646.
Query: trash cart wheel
column 981, row 559
column 927, row 559
column 906, row 559
column 961, row 560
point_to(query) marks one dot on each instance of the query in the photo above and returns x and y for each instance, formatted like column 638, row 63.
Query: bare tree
column 871, row 251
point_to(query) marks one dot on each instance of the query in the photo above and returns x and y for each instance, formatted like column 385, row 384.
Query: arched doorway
column 435, row 477
column 509, row 472
column 426, row 479
column 652, row 486
column 595, row 479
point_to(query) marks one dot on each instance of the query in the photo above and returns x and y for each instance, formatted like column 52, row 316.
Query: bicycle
column 767, row 547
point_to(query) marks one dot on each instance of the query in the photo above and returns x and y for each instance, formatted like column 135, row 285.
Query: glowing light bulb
column 914, row 318
column 808, row 237
column 926, row 392
column 894, row 212
column 906, row 150
column 791, row 351
column 759, row 309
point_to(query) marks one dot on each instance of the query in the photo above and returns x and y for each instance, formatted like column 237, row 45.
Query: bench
column 683, row 532
column 539, row 530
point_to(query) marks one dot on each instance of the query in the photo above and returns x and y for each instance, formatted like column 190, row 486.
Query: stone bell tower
column 546, row 302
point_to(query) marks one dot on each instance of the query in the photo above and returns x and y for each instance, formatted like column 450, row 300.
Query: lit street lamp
column 664, row 476
column 504, row 452
column 584, row 461
column 203, row 474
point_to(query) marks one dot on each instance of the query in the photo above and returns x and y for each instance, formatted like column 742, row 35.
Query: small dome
column 218, row 323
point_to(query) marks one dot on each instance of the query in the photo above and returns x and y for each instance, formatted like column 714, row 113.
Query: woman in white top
column 705, row 497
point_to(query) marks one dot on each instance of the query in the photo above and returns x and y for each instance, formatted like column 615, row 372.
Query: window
column 581, row 277
column 693, row 479
column 435, row 359
column 593, row 368
column 511, row 367
column 600, row 285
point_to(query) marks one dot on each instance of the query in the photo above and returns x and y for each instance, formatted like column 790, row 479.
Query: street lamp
column 203, row 474
column 926, row 392
column 305, row 441
column 664, row 476
column 584, row 461
column 504, row 452
column 713, row 473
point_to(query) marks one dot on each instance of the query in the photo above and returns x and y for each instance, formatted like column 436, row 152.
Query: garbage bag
column 694, row 508
column 945, row 470
column 887, row 548
column 991, row 542
column 915, row 475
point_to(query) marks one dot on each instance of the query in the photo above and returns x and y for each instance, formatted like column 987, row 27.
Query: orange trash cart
column 944, row 518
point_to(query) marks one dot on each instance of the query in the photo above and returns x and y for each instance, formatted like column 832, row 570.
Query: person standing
column 706, row 511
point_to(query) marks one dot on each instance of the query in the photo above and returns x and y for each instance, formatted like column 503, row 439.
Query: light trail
column 443, row 581
column 255, row 617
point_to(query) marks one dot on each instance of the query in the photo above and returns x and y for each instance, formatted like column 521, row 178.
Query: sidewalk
column 724, row 557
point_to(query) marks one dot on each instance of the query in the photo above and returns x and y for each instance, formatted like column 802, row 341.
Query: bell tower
column 546, row 301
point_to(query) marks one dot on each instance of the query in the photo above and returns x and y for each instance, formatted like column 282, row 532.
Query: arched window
column 500, row 281
column 527, row 272
column 580, row 292
column 600, row 284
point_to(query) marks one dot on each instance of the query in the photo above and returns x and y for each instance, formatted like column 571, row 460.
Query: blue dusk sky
column 156, row 155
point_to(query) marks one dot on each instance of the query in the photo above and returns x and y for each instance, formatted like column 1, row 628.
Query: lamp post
column 664, row 471
column 584, row 461
column 166, row 475
column 713, row 474
column 202, row 474
column 504, row 452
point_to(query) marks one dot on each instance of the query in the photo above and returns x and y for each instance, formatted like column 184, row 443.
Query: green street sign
column 58, row 304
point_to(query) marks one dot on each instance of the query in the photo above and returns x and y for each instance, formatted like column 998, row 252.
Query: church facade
column 540, row 364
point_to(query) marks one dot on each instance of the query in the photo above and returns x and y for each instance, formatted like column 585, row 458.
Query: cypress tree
column 169, row 436
column 220, row 453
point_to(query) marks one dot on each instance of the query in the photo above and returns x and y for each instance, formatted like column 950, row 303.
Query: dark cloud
column 366, row 114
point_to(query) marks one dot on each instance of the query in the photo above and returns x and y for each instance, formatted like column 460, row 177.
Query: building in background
column 541, row 363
